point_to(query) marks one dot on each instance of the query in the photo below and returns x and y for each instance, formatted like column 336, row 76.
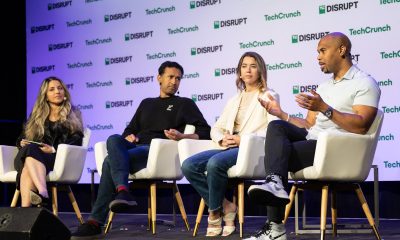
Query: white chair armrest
column 190, row 147
column 100, row 153
column 69, row 163
column 7, row 156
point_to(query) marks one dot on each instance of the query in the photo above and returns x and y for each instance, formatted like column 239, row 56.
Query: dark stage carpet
column 134, row 226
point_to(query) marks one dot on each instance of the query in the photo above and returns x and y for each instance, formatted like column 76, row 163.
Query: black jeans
column 286, row 149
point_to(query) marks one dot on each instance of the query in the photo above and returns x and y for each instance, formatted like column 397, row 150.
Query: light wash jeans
column 123, row 158
column 211, row 185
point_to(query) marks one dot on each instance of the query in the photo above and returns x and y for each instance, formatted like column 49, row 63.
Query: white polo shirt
column 355, row 88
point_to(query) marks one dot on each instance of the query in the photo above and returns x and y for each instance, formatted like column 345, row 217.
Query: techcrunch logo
column 132, row 36
column 303, row 88
column 308, row 37
column 52, row 6
column 385, row 83
column 203, row 50
column 160, row 10
column 136, row 80
column 84, row 107
column 98, row 84
column 57, row 46
column 369, row 30
column 79, row 23
column 393, row 54
column 279, row 16
column 117, row 104
column 160, row 55
column 116, row 60
column 337, row 7
column 100, row 127
column 42, row 28
column 90, row 1
column 191, row 75
column 392, row 164
column 117, row 16
column 281, row 66
column 298, row 115
column 80, row 65
column 195, row 28
column 229, row 23
column 224, row 71
column 389, row 1
column 207, row 97
column 255, row 44
column 204, row 3
column 389, row 137
column 395, row 109
column 98, row 41
column 39, row 69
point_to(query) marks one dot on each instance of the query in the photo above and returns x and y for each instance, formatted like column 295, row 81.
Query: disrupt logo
column 132, row 36
column 389, row 1
column 84, row 107
column 204, row 3
column 393, row 54
column 117, row 16
column 136, row 80
column 191, row 75
column 385, row 83
column 369, row 30
column 195, row 28
column 254, row 44
column 57, row 46
column 203, row 50
column 98, row 41
column 392, row 164
column 90, row 1
column 116, row 60
column 70, row 86
column 42, row 28
column 97, row 127
column 395, row 109
column 98, row 84
column 279, row 16
column 389, row 137
column 160, row 55
column 79, row 23
column 52, row 6
column 281, row 66
column 79, row 65
column 355, row 57
column 159, row 10
column 337, row 7
column 303, row 88
column 207, row 97
column 229, row 23
column 43, row 69
column 224, row 71
column 116, row 104
column 308, row 37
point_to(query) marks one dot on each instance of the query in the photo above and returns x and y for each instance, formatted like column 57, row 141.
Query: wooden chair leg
column 292, row 194
column 199, row 215
column 179, row 201
column 334, row 212
column 55, row 201
column 149, row 211
column 153, row 206
column 109, row 222
column 367, row 212
column 324, row 206
column 74, row 204
column 241, row 207
column 15, row 198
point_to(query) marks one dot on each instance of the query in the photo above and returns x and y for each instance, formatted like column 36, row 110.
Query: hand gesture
column 132, row 138
column 312, row 102
column 173, row 134
column 271, row 105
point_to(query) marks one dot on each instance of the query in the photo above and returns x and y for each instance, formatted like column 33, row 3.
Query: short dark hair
column 169, row 64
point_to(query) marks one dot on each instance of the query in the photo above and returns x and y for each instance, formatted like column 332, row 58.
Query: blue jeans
column 123, row 158
column 211, row 185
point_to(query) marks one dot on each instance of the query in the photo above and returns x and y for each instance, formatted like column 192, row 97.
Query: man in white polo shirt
column 347, row 102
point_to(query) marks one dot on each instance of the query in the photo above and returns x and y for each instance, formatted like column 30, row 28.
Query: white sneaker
column 270, row 193
column 270, row 231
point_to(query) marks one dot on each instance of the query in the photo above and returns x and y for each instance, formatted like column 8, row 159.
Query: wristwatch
column 329, row 112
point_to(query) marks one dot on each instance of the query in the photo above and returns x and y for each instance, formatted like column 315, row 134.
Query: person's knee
column 113, row 140
column 187, row 167
column 213, row 165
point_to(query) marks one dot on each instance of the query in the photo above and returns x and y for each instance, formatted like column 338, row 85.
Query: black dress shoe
column 38, row 200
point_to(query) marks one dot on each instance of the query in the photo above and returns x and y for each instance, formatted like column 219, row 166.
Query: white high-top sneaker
column 270, row 231
column 270, row 193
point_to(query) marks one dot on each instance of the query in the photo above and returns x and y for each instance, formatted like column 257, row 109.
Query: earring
column 65, row 98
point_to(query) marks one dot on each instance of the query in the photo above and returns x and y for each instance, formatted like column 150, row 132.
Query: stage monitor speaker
column 31, row 224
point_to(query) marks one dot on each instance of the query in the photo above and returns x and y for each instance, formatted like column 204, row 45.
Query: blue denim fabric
column 123, row 158
column 211, row 185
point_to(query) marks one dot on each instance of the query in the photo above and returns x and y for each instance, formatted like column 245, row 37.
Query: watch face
column 328, row 113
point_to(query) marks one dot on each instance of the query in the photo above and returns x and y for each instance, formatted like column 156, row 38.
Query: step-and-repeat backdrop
column 108, row 53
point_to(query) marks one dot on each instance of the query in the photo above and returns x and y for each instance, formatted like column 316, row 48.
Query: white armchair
column 68, row 167
column 341, row 161
column 162, row 165
column 249, row 165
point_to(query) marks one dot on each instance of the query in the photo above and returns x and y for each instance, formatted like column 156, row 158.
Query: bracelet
column 288, row 118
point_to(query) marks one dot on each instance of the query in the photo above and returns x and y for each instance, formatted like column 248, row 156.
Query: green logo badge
column 217, row 72
column 108, row 104
column 107, row 60
column 295, row 38
column 194, row 97
column 106, row 18
column 216, row 24
column 127, row 81
column 192, row 4
column 322, row 9
column 296, row 89
column 193, row 51
column 126, row 36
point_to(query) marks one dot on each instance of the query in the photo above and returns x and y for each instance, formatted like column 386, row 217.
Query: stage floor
column 134, row 226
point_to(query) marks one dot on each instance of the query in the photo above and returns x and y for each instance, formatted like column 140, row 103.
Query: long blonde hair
column 34, row 128
column 262, row 72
